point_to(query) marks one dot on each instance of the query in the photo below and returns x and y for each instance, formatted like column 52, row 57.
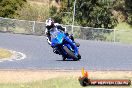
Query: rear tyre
column 64, row 58
column 70, row 53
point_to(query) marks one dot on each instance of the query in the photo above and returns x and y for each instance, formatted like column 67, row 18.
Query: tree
column 123, row 9
column 55, row 14
column 93, row 13
column 8, row 7
column 33, row 12
column 128, row 7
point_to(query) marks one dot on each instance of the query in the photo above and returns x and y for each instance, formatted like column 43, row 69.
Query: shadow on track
column 67, row 60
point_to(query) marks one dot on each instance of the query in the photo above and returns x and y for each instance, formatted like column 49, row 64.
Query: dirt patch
column 10, row 55
column 34, row 75
column 5, row 53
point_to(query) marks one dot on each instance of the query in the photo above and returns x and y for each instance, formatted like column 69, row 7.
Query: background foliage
column 92, row 13
column 8, row 7
column 98, row 13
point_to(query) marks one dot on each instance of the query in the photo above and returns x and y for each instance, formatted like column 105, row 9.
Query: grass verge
column 120, row 36
column 5, row 53
column 123, row 26
column 56, row 79
column 68, row 82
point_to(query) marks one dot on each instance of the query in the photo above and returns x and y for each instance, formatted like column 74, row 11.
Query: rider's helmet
column 49, row 23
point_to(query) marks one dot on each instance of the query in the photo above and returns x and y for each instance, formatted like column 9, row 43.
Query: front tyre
column 79, row 56
column 77, row 44
column 70, row 53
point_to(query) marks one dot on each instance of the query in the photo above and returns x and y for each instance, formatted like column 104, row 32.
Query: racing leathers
column 58, row 26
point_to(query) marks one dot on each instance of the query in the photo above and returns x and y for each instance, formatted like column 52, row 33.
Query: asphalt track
column 95, row 55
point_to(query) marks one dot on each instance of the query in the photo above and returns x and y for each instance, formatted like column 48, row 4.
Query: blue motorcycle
column 64, row 45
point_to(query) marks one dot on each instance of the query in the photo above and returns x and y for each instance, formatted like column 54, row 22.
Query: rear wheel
column 64, row 58
column 70, row 53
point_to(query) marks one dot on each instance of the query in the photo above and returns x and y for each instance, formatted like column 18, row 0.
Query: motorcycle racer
column 50, row 25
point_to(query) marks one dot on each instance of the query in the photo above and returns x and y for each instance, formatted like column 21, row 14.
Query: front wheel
column 77, row 44
column 79, row 56
column 70, row 53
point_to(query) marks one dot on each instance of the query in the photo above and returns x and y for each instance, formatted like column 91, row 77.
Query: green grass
column 123, row 33
column 120, row 36
column 124, row 36
column 123, row 26
column 68, row 82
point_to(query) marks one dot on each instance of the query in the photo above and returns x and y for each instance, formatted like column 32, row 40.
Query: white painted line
column 23, row 56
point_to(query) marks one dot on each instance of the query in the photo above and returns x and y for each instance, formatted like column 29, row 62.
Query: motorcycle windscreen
column 60, row 37
column 57, row 38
